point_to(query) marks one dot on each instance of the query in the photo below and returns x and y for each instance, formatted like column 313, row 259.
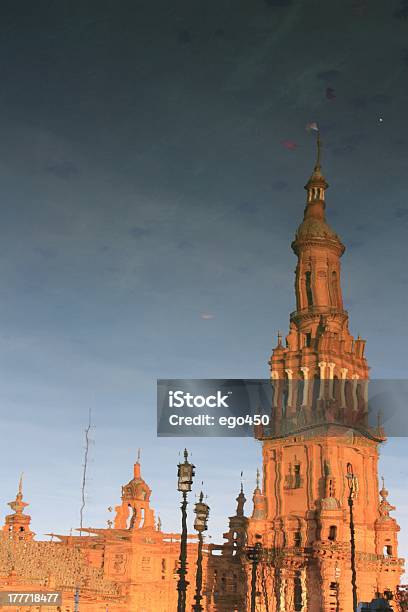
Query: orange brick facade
column 300, row 514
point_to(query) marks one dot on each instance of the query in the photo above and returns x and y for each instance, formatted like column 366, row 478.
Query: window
column 293, row 479
column 334, row 289
column 297, row 482
column 297, row 539
column 333, row 533
column 309, row 294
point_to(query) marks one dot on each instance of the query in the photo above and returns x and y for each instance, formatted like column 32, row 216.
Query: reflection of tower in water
column 320, row 425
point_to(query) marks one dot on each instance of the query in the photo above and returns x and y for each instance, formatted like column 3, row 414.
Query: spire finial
column 385, row 507
column 138, row 455
column 20, row 485
column 383, row 492
column 319, row 151
column 279, row 339
column 241, row 500
column 313, row 127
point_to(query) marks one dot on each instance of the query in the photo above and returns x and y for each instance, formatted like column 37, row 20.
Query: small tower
column 17, row 525
column 236, row 535
column 134, row 512
column 386, row 527
column 259, row 502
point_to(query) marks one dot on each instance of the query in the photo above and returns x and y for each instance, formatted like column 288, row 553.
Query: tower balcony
column 313, row 312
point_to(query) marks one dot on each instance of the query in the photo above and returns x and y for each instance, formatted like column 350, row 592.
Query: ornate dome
column 315, row 228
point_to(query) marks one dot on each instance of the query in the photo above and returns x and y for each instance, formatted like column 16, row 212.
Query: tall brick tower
column 318, row 435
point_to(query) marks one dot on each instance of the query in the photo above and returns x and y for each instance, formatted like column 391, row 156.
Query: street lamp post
column 76, row 600
column 352, row 484
column 185, row 480
column 202, row 511
column 254, row 554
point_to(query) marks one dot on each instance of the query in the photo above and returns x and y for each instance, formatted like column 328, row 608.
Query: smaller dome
column 330, row 503
column 315, row 228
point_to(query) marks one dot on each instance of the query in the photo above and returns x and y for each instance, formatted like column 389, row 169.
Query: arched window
column 297, row 479
column 336, row 387
column 309, row 295
column 297, row 540
column 334, row 289
column 285, row 397
column 333, row 533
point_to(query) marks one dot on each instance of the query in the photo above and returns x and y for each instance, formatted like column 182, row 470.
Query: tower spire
column 257, row 478
column 240, row 501
column 319, row 145
column 316, row 187
column 18, row 523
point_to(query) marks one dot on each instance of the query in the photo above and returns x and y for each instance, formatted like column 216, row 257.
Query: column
column 322, row 366
column 364, row 386
column 343, row 373
column 275, row 378
column 305, row 398
column 289, row 374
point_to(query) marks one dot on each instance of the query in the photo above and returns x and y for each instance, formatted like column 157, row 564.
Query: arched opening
column 388, row 550
column 309, row 294
column 332, row 533
column 297, row 540
column 348, row 392
column 129, row 516
column 285, row 397
column 336, row 388
column 315, row 397
column 334, row 289
column 297, row 479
